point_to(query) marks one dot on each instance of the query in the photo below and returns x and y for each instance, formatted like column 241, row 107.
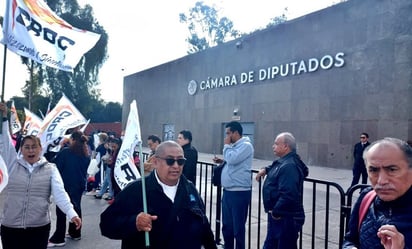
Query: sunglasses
column 362, row 137
column 171, row 161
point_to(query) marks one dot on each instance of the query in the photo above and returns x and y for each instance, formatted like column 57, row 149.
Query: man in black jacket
column 176, row 216
column 387, row 222
column 283, row 194
column 358, row 163
column 185, row 140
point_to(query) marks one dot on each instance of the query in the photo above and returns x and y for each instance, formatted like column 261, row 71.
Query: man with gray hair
column 382, row 217
column 283, row 194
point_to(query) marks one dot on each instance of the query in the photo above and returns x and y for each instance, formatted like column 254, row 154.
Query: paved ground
column 91, row 237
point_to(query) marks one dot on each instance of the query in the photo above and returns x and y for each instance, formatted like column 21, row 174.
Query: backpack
column 364, row 206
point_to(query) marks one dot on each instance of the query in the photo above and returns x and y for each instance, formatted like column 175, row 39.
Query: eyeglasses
column 28, row 147
column 171, row 161
column 362, row 137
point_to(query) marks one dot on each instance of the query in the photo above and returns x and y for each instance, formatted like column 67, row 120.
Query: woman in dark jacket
column 72, row 163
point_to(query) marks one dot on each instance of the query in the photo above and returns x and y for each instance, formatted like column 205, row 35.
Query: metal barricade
column 327, row 209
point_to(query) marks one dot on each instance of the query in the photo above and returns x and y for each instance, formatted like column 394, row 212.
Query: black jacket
column 283, row 187
column 180, row 225
column 189, row 170
column 358, row 154
column 397, row 212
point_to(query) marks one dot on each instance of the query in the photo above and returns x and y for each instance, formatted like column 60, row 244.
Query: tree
column 206, row 29
column 278, row 19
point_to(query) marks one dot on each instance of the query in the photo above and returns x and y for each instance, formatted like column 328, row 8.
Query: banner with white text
column 125, row 170
column 32, row 124
column 33, row 30
column 62, row 117
column 15, row 125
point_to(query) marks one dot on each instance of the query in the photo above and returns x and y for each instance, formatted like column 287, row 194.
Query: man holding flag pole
column 163, row 204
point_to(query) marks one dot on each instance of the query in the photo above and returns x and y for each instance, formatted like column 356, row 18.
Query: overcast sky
column 143, row 34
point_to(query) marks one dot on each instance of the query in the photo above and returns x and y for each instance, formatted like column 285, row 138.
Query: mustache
column 384, row 187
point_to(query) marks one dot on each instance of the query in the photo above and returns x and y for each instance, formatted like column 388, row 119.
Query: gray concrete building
column 326, row 77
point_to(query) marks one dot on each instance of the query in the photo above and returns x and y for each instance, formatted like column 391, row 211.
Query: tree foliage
column 278, row 19
column 206, row 28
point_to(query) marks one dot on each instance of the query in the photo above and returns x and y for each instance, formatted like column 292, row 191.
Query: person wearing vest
column 32, row 180
column 387, row 222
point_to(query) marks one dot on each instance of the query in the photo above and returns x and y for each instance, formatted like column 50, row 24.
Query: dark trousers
column 60, row 233
column 235, row 205
column 283, row 233
column 358, row 170
column 25, row 238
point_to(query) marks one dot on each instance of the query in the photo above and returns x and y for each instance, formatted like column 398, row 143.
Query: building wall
column 326, row 110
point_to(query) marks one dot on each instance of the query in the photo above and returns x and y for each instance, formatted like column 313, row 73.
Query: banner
column 14, row 119
column 33, row 30
column 4, row 177
column 32, row 124
column 61, row 118
column 125, row 170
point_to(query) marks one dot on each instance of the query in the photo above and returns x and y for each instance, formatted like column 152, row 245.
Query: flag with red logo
column 32, row 123
column 4, row 177
column 31, row 29
column 125, row 170
column 62, row 117
column 15, row 124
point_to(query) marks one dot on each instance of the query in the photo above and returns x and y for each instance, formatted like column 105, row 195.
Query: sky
column 144, row 34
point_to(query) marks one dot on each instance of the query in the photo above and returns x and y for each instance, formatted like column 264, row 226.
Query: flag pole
column 3, row 85
column 146, row 234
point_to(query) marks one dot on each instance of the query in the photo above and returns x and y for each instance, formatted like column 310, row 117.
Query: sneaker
column 73, row 238
column 97, row 196
column 51, row 244
column 108, row 198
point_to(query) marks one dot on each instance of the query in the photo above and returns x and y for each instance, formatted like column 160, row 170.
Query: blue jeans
column 283, row 233
column 106, row 183
column 235, row 205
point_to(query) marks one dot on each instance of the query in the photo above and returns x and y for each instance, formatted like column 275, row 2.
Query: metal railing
column 327, row 209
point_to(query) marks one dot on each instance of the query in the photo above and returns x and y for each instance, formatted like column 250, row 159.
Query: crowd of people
column 172, row 214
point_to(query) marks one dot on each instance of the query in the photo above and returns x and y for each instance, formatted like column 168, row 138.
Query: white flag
column 125, row 170
column 61, row 118
column 31, row 29
column 4, row 177
column 14, row 120
column 32, row 124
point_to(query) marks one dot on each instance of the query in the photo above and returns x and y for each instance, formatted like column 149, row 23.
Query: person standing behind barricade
column 72, row 163
column 25, row 221
column 184, row 139
column 283, row 194
column 152, row 141
column 382, row 215
column 237, row 185
column 358, row 163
